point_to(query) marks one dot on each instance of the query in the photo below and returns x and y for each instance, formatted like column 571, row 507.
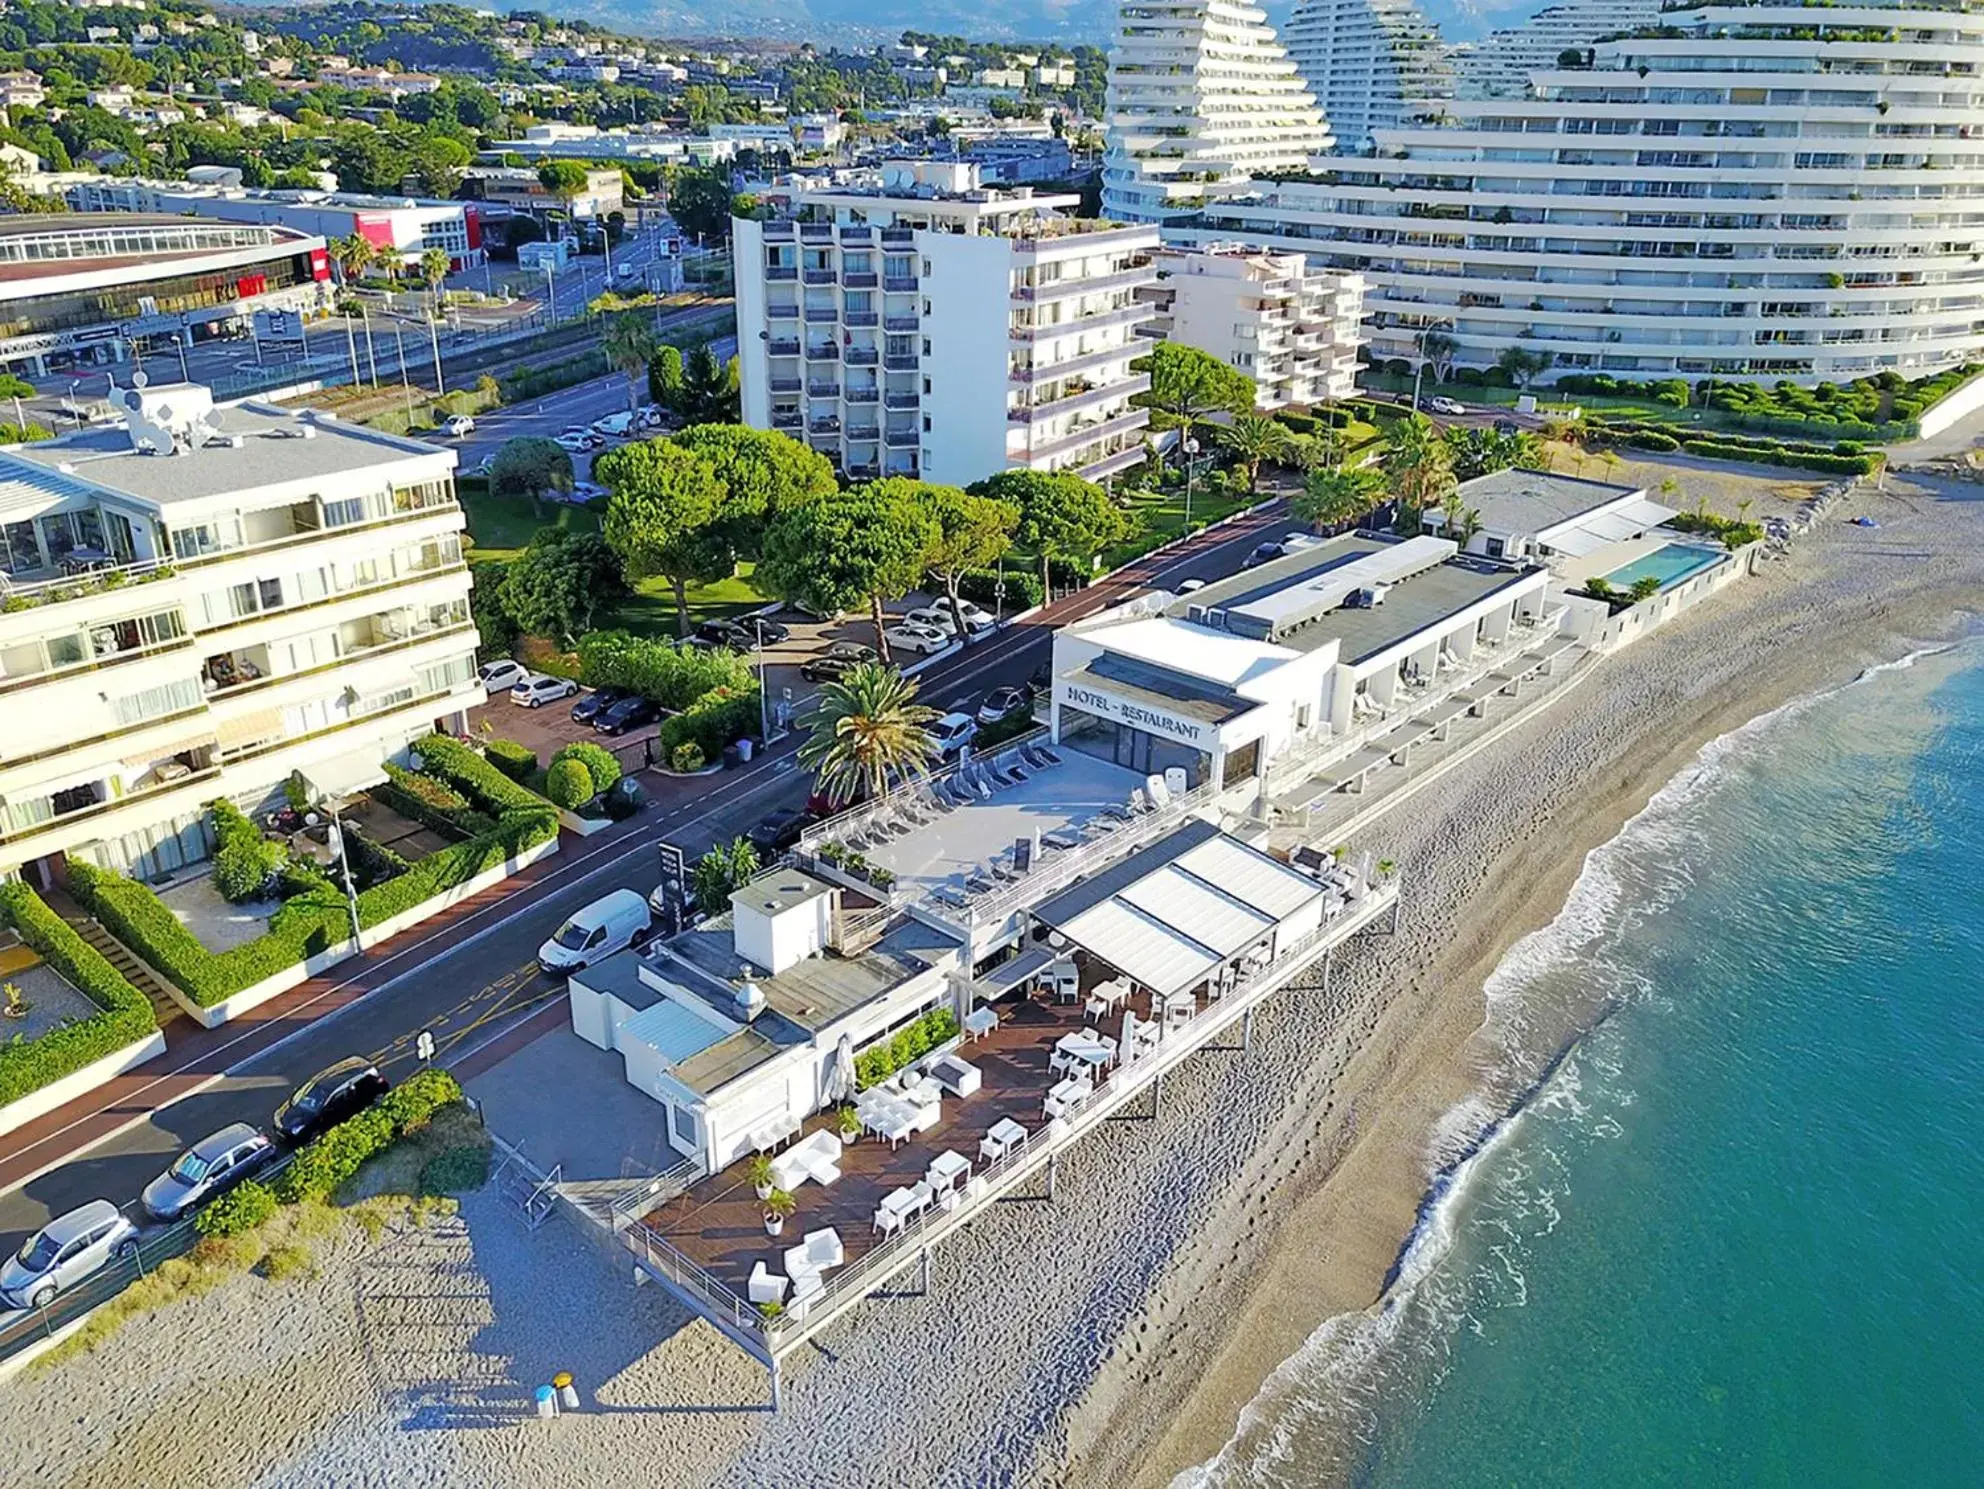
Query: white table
column 980, row 1022
column 1091, row 1049
column 1004, row 1135
column 1069, row 1096
column 947, row 1170
column 1104, row 997
column 904, row 1202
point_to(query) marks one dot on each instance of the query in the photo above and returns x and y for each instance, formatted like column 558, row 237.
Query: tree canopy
column 763, row 473
column 1060, row 516
column 972, row 531
column 700, row 202
column 845, row 548
column 530, row 466
column 1187, row 384
column 661, row 517
column 562, row 580
column 866, row 728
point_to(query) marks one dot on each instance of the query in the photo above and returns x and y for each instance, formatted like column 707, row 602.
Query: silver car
column 210, row 1167
column 69, row 1249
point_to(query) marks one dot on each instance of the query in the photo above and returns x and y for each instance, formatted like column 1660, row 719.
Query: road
column 493, row 953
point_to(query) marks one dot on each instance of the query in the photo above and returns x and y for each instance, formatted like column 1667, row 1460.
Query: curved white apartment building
column 1755, row 191
column 1370, row 63
column 1500, row 64
column 1201, row 98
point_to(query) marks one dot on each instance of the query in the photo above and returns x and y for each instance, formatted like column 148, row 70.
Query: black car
column 328, row 1097
column 1507, row 426
column 779, row 831
column 628, row 713
column 737, row 635
column 597, row 702
column 1263, row 553
column 836, row 661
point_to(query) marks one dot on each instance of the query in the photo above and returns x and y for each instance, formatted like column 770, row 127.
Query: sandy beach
column 1111, row 1336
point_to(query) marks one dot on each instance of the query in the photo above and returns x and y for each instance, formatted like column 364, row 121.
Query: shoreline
column 1346, row 1215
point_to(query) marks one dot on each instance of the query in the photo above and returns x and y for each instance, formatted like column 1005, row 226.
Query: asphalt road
column 486, row 975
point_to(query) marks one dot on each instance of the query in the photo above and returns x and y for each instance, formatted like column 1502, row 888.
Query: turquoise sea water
column 1735, row 1234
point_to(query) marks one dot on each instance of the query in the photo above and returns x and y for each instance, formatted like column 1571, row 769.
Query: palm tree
column 353, row 255
column 1253, row 439
column 1420, row 467
column 1333, row 497
column 434, row 266
column 629, row 344
column 1463, row 531
column 867, row 726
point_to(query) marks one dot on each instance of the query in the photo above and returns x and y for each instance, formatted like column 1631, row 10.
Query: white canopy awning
column 343, row 775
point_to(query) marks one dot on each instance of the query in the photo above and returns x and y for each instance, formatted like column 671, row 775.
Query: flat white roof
column 1200, row 651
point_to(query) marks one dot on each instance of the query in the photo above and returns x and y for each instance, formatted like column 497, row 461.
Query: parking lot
column 549, row 728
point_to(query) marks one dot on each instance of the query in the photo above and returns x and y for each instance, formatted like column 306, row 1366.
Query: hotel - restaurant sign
column 1140, row 716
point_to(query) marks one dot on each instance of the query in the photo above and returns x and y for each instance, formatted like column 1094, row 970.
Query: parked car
column 1439, row 403
column 650, row 416
column 1190, row 586
column 739, row 635
column 1507, row 426
column 953, row 732
column 628, row 713
column 610, row 923
column 501, row 676
column 911, row 636
column 614, row 426
column 327, row 1098
column 999, row 703
column 939, row 617
column 779, row 831
column 836, row 661
column 576, row 439
column 208, row 1169
column 1040, row 681
column 624, row 272
column 64, row 1252
column 593, row 704
column 458, row 426
column 540, row 688
column 585, row 493
column 1263, row 553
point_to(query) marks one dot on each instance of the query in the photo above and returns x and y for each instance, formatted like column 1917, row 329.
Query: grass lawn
column 1163, row 518
column 502, row 525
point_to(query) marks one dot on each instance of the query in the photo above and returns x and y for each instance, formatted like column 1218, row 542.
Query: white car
column 69, row 1249
column 953, row 732
column 910, row 636
column 1190, row 586
column 501, row 676
column 615, row 426
column 577, row 440
column 584, row 492
column 1441, row 404
column 939, row 618
column 540, row 688
column 458, row 426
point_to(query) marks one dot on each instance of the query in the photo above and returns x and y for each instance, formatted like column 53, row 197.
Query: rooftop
column 700, row 1054
column 811, row 994
column 1528, row 501
column 279, row 447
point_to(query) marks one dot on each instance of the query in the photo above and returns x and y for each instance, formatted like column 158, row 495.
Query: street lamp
column 551, row 291
column 334, row 836
column 764, row 719
column 1191, row 450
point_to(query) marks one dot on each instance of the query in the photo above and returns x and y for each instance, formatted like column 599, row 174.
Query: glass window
column 154, row 703
column 344, row 513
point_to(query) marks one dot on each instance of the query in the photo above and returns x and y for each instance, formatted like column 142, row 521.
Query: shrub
column 285, row 1262
column 518, row 762
column 487, row 788
column 879, row 1061
column 414, row 1100
column 322, row 1166
column 431, row 803
column 981, row 587
column 127, row 1015
column 246, row 863
column 1297, row 423
column 600, row 763
column 712, row 722
column 518, row 833
column 686, row 757
column 455, row 1170
column 1649, row 439
column 372, row 862
column 568, row 784
column 674, row 676
column 237, row 1212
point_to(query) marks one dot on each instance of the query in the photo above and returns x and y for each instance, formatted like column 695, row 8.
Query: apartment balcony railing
column 823, row 351
column 817, row 232
column 1089, row 434
column 823, row 426
column 821, row 316
column 901, row 400
column 900, row 323
column 784, row 384
column 1062, row 289
column 898, row 238
column 1022, row 377
column 855, row 232
column 819, row 276
column 98, row 664
column 863, row 395
column 865, row 434
column 98, row 809
column 823, row 390
column 784, row 346
column 901, row 284
column 777, row 272
column 1073, row 402
column 777, row 312
column 861, row 356
column 783, row 419
column 862, row 319
column 1122, row 316
column 779, row 232
column 862, row 471
column 897, row 363
column 901, row 436
column 418, row 637
column 859, row 279
column 411, row 705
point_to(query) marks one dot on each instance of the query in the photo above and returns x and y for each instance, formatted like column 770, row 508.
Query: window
column 684, row 1130
column 442, row 676
column 156, row 703
column 344, row 513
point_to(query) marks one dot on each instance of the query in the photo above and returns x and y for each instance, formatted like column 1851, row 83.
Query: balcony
column 1070, row 402
column 816, row 232
column 231, row 674
column 900, row 323
column 782, row 347
column 902, row 400
column 821, row 316
column 861, row 356
column 819, row 276
column 776, row 272
column 785, row 418
column 859, row 279
column 1061, row 289
column 1022, row 377
column 901, row 436
column 861, row 471
column 823, row 390
column 822, row 351
column 863, row 395
column 1089, row 434
column 828, row 425
column 775, row 312
column 784, row 384
column 780, row 232
column 894, row 237
column 895, row 363
column 900, row 284
column 857, row 233
column 862, row 319
column 1122, row 316
column 865, row 434
column 188, row 768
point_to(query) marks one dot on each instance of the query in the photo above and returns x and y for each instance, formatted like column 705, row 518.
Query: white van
column 609, row 924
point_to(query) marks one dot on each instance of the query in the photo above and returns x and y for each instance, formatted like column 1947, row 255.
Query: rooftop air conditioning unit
column 1369, row 597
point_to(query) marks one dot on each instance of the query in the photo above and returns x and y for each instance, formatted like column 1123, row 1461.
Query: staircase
column 113, row 951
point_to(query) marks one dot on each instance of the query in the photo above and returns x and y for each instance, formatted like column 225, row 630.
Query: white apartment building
column 1500, row 64
column 1294, row 330
column 1201, row 99
column 202, row 600
column 883, row 322
column 1757, row 191
column 1370, row 63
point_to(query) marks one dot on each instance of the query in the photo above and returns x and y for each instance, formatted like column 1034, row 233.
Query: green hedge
column 518, row 762
column 600, row 763
column 981, row 587
column 712, row 722
column 673, row 676
column 238, row 1211
column 432, row 803
column 879, row 1062
column 127, row 1015
column 1843, row 465
column 321, row 1166
column 372, row 862
column 568, row 784
column 517, row 833
column 245, row 862
column 486, row 787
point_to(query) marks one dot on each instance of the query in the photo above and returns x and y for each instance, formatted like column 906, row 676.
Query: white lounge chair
column 765, row 1285
column 960, row 1077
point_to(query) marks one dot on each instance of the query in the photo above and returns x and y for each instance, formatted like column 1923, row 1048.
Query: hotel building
column 203, row 600
column 1201, row 98
column 880, row 323
column 1755, row 191
column 1294, row 330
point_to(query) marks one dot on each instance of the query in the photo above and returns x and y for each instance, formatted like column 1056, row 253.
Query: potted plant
column 1386, row 868
column 848, row 1125
column 778, row 1205
column 832, row 852
column 16, row 1007
column 759, row 1172
column 771, row 1309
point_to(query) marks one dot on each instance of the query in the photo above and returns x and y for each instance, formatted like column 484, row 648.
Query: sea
column 1715, row 1217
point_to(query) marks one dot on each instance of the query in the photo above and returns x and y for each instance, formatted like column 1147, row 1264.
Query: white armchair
column 765, row 1286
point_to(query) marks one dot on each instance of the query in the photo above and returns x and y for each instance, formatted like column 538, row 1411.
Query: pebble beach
column 1113, row 1335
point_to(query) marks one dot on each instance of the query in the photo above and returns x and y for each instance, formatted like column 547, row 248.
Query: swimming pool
column 1670, row 564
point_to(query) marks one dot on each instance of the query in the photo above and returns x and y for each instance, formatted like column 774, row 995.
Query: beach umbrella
column 1126, row 1048
column 840, row 1080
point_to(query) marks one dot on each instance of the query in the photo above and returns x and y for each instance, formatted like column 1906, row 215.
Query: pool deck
column 1607, row 563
